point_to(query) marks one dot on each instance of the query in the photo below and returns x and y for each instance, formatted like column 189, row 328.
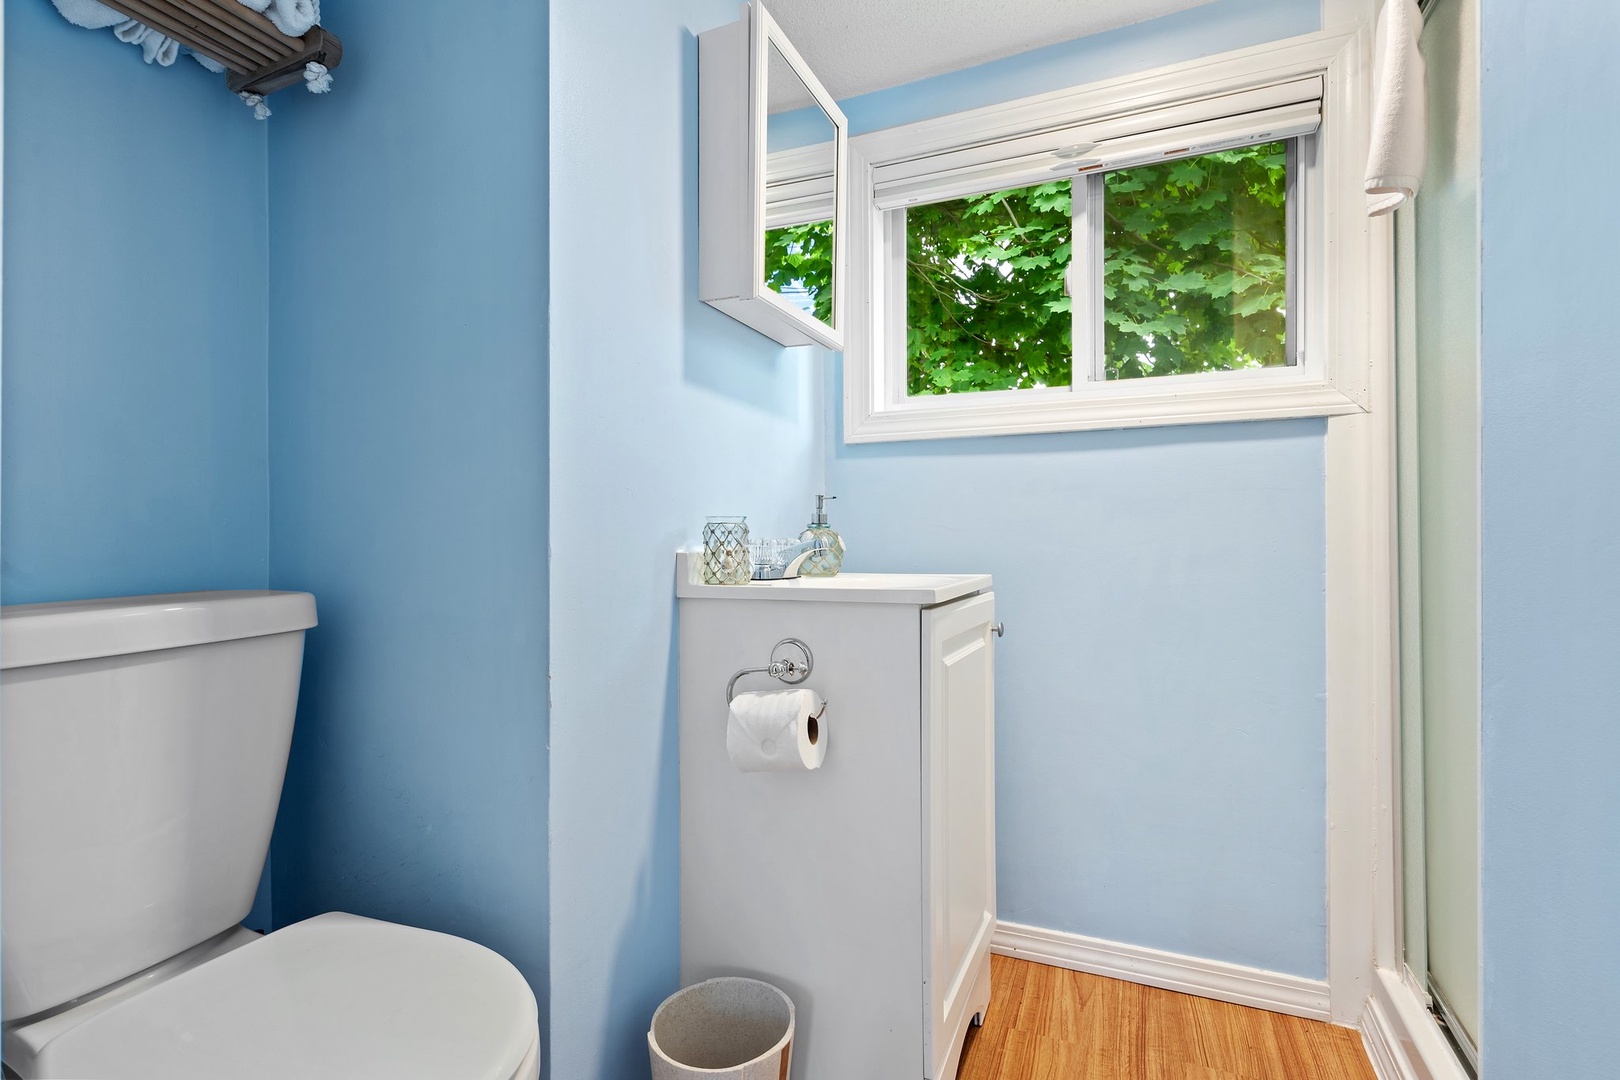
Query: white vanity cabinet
column 865, row 889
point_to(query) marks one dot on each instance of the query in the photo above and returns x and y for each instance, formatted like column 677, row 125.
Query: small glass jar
column 726, row 560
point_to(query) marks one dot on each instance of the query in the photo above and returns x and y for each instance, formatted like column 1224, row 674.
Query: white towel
column 156, row 48
column 294, row 18
column 1400, row 123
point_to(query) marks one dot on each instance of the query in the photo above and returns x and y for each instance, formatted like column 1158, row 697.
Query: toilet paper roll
column 777, row 731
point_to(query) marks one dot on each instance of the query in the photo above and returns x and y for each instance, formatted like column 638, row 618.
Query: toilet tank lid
column 35, row 634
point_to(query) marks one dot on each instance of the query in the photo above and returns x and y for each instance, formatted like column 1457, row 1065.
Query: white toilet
column 142, row 748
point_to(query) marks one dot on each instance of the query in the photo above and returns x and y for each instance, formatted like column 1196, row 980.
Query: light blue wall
column 663, row 411
column 1551, row 564
column 135, row 322
column 408, row 471
column 1161, row 746
column 1160, row 751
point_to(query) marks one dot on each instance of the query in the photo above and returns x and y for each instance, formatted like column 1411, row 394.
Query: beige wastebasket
column 723, row 1029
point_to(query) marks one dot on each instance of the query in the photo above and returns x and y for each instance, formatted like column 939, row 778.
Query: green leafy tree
column 1195, row 264
column 1195, row 261
column 985, row 305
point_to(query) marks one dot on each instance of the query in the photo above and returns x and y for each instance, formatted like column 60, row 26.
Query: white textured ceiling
column 861, row 45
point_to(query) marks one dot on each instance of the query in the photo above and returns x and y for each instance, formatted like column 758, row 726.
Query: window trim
column 1336, row 280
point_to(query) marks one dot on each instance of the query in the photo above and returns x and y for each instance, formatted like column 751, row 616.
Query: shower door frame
column 1369, row 984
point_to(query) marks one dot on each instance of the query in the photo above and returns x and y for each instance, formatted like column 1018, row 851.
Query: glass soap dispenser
column 828, row 558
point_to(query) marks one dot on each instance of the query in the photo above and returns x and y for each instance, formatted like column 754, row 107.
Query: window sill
column 960, row 417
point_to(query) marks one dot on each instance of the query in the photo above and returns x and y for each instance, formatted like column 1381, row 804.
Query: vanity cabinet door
column 959, row 848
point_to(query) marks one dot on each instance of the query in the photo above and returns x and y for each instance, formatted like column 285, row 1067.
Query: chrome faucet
column 784, row 559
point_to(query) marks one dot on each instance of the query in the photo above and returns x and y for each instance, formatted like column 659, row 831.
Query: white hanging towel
column 1400, row 122
column 155, row 47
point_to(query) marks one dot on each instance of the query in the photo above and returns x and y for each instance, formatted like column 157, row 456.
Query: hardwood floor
column 1046, row 1023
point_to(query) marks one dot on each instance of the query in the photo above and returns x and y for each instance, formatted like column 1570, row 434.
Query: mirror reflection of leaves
column 798, row 263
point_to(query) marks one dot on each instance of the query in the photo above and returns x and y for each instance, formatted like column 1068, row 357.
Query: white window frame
column 1334, row 275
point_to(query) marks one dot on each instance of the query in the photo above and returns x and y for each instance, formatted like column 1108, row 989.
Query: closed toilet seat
column 336, row 997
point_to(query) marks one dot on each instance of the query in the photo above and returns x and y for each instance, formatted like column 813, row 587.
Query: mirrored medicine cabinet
column 772, row 158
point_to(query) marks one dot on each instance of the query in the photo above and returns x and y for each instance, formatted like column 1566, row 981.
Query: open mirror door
column 771, row 183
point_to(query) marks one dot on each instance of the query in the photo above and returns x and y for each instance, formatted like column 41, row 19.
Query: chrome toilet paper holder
column 783, row 666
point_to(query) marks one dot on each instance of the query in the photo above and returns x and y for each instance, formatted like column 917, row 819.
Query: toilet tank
column 142, row 746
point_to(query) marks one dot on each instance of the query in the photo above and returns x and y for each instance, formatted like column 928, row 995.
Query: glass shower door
column 1438, row 391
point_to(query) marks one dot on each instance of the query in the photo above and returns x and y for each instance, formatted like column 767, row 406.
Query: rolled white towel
column 89, row 14
column 294, row 18
column 1400, row 136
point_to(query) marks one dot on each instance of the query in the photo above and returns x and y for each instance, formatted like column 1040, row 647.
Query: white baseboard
column 1378, row 1035
column 1402, row 1039
column 1216, row 979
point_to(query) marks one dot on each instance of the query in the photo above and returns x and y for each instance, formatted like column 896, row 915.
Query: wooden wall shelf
column 258, row 58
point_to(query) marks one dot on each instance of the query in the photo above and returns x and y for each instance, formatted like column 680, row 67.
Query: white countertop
column 923, row 590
